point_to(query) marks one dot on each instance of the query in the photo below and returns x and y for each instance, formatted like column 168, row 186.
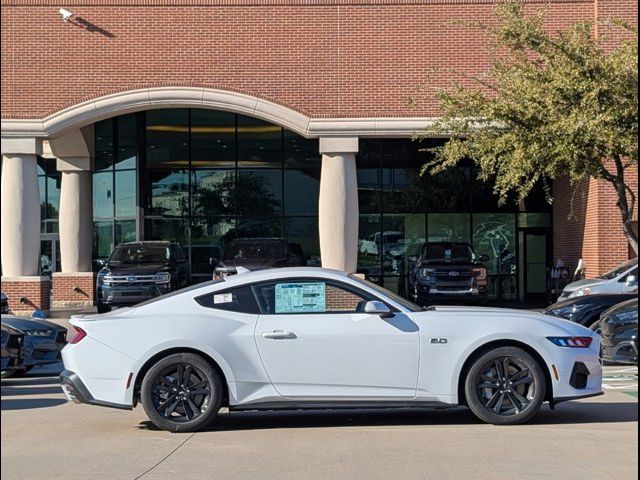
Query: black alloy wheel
column 181, row 393
column 505, row 386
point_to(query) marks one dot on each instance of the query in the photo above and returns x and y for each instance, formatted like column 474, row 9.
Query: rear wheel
column 505, row 386
column 181, row 393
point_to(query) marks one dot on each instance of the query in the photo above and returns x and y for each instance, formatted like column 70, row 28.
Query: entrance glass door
column 535, row 258
column 49, row 254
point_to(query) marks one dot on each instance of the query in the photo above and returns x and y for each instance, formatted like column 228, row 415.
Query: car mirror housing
column 375, row 307
column 213, row 261
column 631, row 280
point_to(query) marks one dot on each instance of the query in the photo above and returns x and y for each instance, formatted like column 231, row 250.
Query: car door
column 315, row 344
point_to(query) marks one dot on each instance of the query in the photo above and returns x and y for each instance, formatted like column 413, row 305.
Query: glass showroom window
column 114, row 184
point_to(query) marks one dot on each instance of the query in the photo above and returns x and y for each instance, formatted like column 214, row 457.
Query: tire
column 102, row 308
column 169, row 403
column 493, row 399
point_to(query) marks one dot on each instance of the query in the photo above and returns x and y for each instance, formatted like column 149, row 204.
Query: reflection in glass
column 301, row 191
column 167, row 138
column 125, row 193
column 127, row 142
column 168, row 193
column 213, row 192
column 259, row 192
column 259, row 143
column 368, row 254
column 300, row 152
column 213, row 139
column 534, row 220
column 103, row 195
column 303, row 233
column 175, row 230
column 369, row 197
column 104, row 145
column 494, row 234
column 449, row 227
column 102, row 239
column 256, row 227
column 125, row 231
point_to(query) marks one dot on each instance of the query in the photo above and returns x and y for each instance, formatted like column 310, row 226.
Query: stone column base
column 27, row 294
column 73, row 289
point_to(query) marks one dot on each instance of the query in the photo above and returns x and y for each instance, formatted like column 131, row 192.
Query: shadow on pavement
column 23, row 386
column 572, row 413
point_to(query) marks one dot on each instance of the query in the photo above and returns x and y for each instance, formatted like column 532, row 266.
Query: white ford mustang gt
column 316, row 338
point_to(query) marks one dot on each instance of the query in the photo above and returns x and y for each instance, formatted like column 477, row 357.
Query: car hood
column 251, row 263
column 23, row 324
column 592, row 282
column 485, row 314
column 137, row 269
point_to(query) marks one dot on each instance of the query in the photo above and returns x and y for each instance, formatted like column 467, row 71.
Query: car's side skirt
column 334, row 405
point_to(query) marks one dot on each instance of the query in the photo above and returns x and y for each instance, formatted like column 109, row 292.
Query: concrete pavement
column 43, row 436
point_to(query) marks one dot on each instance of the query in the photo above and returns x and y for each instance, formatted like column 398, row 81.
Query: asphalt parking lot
column 43, row 436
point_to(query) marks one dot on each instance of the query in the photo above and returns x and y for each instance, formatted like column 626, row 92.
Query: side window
column 633, row 272
column 310, row 296
column 241, row 300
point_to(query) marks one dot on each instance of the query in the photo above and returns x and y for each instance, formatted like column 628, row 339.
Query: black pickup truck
column 139, row 271
column 447, row 270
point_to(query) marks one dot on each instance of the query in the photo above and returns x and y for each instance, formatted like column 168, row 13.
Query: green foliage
column 553, row 104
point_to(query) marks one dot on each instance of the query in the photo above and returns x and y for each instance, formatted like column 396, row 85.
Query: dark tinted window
column 140, row 254
column 238, row 251
column 239, row 300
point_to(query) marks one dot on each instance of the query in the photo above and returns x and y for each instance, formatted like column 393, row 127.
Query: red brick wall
column 587, row 224
column 326, row 58
column 73, row 290
column 35, row 291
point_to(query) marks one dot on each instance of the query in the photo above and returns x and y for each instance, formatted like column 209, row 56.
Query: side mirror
column 631, row 280
column 213, row 261
column 483, row 258
column 374, row 307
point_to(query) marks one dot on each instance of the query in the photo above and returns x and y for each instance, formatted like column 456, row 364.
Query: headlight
column 426, row 273
column 104, row 279
column 162, row 277
column 569, row 310
column 38, row 333
column 580, row 292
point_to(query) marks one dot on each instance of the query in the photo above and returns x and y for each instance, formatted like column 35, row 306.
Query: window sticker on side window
column 223, row 298
column 300, row 297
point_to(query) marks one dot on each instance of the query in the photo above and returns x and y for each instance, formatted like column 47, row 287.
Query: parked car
column 259, row 254
column 4, row 303
column 447, row 270
column 380, row 241
column 294, row 338
column 586, row 310
column 621, row 279
column 42, row 341
column 618, row 328
column 139, row 271
column 11, row 341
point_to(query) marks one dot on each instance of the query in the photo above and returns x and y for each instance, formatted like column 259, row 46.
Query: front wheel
column 505, row 386
column 181, row 393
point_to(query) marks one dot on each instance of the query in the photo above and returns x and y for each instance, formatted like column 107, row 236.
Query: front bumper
column 77, row 392
column 130, row 294
column 42, row 351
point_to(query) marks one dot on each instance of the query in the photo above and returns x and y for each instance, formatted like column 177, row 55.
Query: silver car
column 621, row 279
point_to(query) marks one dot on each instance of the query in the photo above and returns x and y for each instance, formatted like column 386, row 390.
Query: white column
column 75, row 222
column 338, row 203
column 75, row 215
column 20, row 207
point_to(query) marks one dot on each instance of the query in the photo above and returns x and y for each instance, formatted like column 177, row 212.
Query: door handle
column 279, row 335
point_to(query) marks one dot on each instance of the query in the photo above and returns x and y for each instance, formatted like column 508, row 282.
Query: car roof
column 256, row 239
column 164, row 243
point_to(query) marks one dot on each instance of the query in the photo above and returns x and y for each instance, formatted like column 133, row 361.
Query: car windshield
column 244, row 250
column 412, row 307
column 619, row 270
column 448, row 252
column 140, row 254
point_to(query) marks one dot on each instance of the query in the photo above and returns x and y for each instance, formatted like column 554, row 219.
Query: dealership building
column 200, row 121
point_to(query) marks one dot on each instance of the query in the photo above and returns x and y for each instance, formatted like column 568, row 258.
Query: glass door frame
column 522, row 276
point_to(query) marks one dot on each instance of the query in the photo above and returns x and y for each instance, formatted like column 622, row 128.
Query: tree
column 552, row 104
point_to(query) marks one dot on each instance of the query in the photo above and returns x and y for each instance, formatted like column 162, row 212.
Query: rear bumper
column 77, row 392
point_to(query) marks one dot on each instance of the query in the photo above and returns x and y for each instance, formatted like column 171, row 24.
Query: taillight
column 480, row 273
column 571, row 342
column 80, row 334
